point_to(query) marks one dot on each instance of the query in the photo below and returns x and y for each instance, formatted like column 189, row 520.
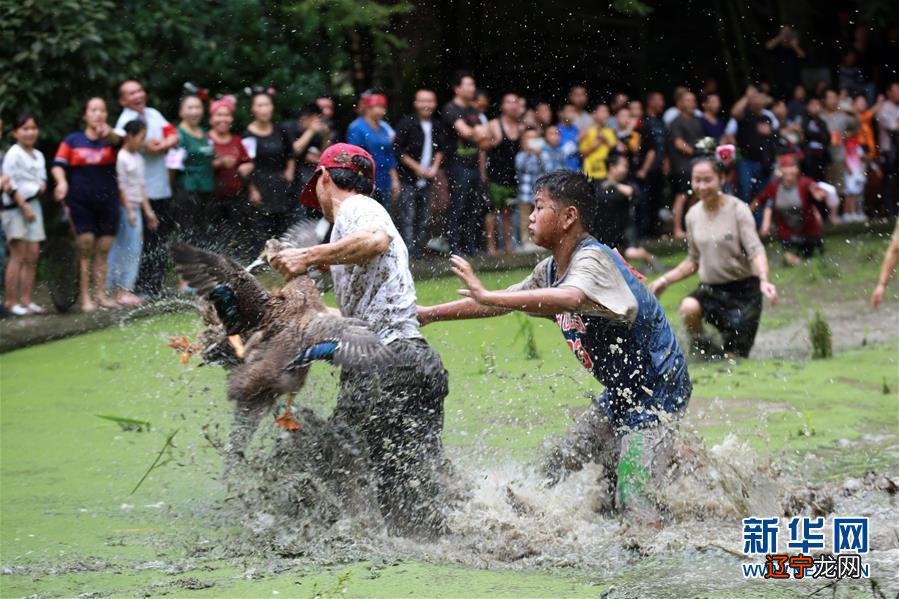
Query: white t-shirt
column 427, row 150
column 381, row 291
column 26, row 172
column 157, row 175
column 130, row 169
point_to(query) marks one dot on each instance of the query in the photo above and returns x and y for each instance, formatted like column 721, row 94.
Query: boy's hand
column 473, row 286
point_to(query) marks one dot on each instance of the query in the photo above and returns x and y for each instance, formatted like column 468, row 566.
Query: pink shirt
column 130, row 171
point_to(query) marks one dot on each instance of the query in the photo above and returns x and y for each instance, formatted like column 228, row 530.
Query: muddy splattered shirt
column 381, row 291
column 621, row 336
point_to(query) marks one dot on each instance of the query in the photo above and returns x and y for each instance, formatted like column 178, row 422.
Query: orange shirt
column 866, row 133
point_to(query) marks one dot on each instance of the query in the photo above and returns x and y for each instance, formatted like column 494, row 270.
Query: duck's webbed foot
column 286, row 420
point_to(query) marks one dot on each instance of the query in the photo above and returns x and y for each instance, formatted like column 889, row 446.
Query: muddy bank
column 852, row 324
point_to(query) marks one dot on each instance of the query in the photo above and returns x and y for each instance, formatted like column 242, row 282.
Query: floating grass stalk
column 127, row 424
column 155, row 464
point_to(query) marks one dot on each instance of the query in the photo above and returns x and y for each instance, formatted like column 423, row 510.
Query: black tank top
column 501, row 160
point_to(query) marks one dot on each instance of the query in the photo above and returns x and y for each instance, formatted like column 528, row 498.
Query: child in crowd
column 554, row 154
column 25, row 170
column 855, row 175
column 124, row 255
column 569, row 134
column 529, row 166
column 613, row 220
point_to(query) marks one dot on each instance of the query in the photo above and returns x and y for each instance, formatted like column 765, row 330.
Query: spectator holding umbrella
column 84, row 170
column 371, row 132
column 725, row 249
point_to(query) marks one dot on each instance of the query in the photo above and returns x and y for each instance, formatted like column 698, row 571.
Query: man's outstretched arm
column 355, row 248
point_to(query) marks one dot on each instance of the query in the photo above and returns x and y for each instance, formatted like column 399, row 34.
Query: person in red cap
column 371, row 132
column 400, row 412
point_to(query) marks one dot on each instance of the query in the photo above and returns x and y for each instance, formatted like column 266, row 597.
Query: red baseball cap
column 335, row 156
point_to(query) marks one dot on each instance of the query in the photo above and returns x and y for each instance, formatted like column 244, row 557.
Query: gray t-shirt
column 593, row 272
column 690, row 130
column 381, row 291
column 837, row 122
column 789, row 206
column 722, row 243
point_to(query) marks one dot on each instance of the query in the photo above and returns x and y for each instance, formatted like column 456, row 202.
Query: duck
column 274, row 337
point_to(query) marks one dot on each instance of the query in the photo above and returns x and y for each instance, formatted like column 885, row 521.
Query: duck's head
column 269, row 251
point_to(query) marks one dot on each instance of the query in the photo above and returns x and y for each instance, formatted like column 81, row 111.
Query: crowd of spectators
column 455, row 178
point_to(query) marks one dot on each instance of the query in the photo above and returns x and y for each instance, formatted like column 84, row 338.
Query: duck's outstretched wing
column 238, row 297
column 306, row 233
column 302, row 234
column 345, row 342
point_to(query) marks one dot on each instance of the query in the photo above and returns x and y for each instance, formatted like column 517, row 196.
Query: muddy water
column 292, row 504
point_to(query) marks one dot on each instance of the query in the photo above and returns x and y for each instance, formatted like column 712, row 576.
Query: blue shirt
column 639, row 361
column 379, row 143
column 568, row 134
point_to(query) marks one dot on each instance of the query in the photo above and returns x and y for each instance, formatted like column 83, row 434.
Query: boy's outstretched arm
column 544, row 301
column 458, row 310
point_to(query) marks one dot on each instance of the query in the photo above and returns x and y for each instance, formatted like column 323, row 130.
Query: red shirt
column 228, row 183
column 811, row 220
column 90, row 166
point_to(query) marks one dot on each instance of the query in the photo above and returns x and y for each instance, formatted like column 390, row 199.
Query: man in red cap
column 400, row 412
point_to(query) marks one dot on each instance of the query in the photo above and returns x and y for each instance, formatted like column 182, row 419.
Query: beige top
column 594, row 273
column 723, row 243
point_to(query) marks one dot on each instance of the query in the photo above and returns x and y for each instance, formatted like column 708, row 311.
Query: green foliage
column 526, row 334
column 820, row 336
column 806, row 430
column 57, row 53
column 336, row 590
